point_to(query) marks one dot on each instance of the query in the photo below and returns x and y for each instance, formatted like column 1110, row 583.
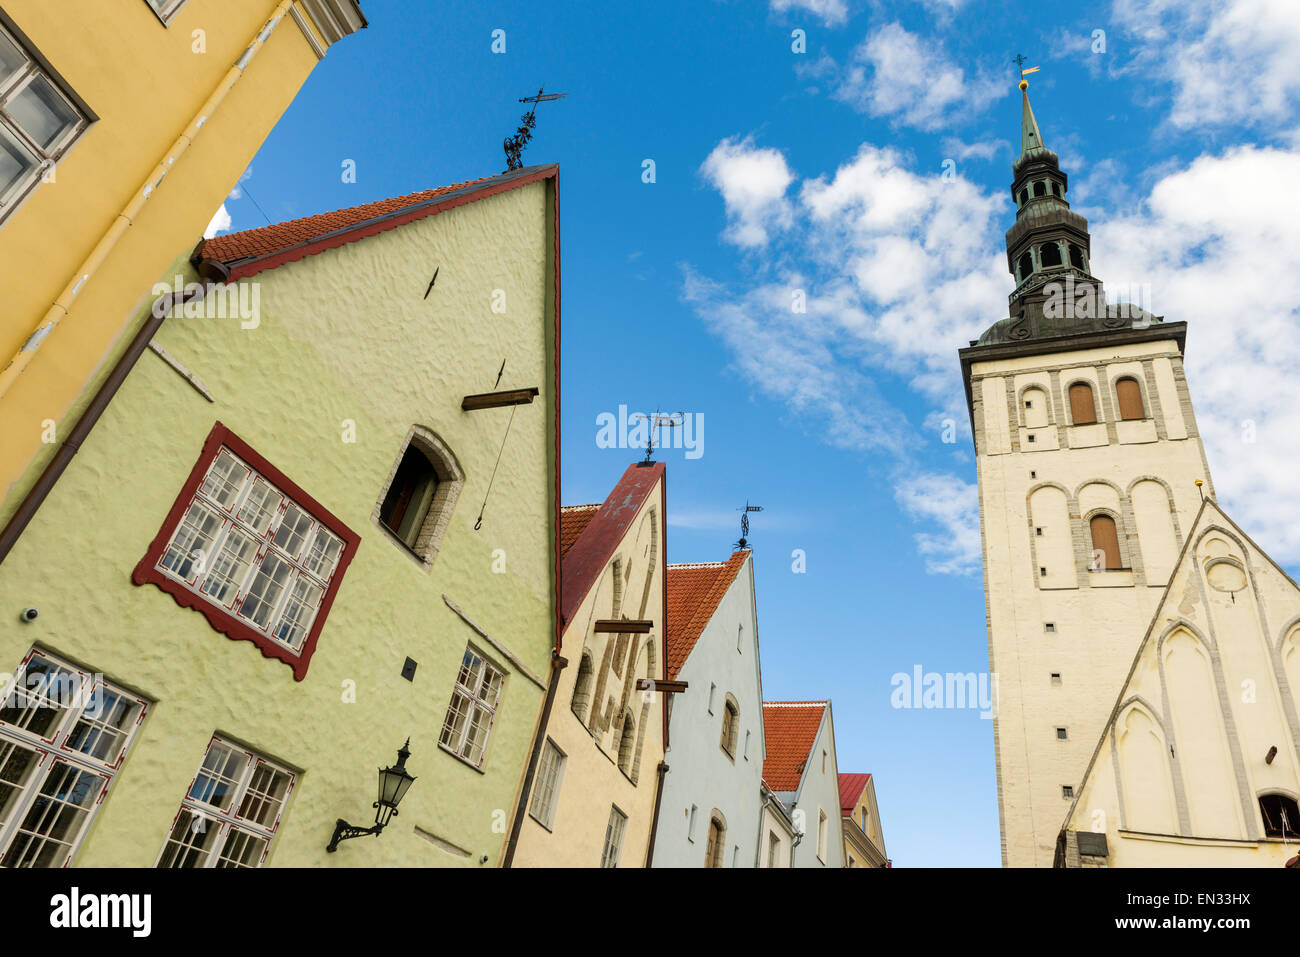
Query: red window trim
column 147, row 571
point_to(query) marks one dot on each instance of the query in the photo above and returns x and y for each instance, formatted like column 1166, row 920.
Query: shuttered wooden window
column 1083, row 410
column 1105, row 539
column 1130, row 399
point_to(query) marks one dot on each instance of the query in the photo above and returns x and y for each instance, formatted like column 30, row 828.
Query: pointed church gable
column 1206, row 723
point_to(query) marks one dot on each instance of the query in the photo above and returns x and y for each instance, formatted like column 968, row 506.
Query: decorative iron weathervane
column 1019, row 61
column 657, row 421
column 744, row 524
column 514, row 145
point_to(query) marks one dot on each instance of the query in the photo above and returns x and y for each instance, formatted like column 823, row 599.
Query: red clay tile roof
column 251, row 250
column 789, row 730
column 265, row 240
column 851, row 787
column 573, row 520
column 593, row 548
column 694, row 591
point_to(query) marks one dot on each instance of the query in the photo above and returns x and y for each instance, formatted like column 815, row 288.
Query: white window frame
column 477, row 666
column 546, row 788
column 198, row 568
column 56, row 749
column 773, row 849
column 614, row 833
column 47, row 157
column 203, row 814
column 169, row 9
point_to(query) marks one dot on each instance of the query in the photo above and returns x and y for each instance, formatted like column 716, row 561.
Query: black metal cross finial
column 514, row 145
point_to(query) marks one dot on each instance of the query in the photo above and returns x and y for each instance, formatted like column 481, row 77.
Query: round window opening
column 1226, row 576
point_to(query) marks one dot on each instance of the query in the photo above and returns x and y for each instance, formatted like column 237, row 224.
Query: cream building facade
column 1198, row 762
column 593, row 796
column 864, row 838
column 1091, row 471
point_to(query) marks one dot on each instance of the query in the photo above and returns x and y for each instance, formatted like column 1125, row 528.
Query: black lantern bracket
column 393, row 785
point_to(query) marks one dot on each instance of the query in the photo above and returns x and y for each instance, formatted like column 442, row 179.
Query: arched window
column 1056, row 189
column 1083, row 410
column 1076, row 256
column 730, row 725
column 1281, row 816
column 1040, row 189
column 627, row 744
column 415, row 506
column 1050, row 254
column 717, row 840
column 1024, row 196
column 1026, row 265
column 1105, row 544
column 1130, row 399
column 582, row 690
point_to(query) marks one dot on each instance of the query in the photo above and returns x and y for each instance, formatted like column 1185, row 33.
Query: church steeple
column 1049, row 251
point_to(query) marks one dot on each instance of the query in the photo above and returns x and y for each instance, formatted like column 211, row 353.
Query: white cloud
column 953, row 505
column 753, row 182
column 833, row 13
column 1219, row 244
column 983, row 150
column 1234, row 62
column 897, row 74
column 219, row 223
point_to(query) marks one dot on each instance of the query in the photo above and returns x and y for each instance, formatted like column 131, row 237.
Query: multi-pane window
column 613, row 838
column 39, row 121
column 546, row 789
column 264, row 558
column 166, row 9
column 473, row 706
column 231, row 811
column 63, row 735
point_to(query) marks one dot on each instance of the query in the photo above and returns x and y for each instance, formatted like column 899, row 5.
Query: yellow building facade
column 594, row 798
column 123, row 127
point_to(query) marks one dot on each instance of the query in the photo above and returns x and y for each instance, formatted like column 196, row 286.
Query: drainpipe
column 558, row 664
column 104, row 248
column 69, row 447
column 654, row 822
column 758, row 843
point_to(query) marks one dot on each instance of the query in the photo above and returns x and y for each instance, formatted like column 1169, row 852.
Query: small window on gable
column 251, row 551
column 416, row 504
column 1129, row 394
column 627, row 744
column 730, row 724
column 1083, row 407
column 582, row 689
column 1281, row 816
column 1061, row 734
column 1067, row 791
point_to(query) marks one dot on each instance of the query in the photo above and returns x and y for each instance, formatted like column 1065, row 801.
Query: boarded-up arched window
column 1083, row 410
column 717, row 833
column 1130, row 399
column 582, row 689
column 1105, row 543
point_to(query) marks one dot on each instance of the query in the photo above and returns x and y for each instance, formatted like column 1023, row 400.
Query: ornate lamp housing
column 394, row 782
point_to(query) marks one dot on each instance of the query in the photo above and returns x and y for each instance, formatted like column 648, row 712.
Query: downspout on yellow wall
column 63, row 304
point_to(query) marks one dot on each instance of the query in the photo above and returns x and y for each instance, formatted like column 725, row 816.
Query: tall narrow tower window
column 1083, row 409
column 1050, row 254
column 1026, row 265
column 1076, row 256
column 1040, row 189
column 1130, row 399
column 1105, row 543
column 1024, row 196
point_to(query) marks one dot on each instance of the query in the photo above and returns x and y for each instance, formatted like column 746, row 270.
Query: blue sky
column 870, row 172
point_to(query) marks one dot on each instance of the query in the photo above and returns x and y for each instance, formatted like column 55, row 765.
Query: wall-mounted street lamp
column 393, row 785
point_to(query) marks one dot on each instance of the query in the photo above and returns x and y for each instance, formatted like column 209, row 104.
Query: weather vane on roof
column 656, row 422
column 1019, row 61
column 515, row 144
column 744, row 523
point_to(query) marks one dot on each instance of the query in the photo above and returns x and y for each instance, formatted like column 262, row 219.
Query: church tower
column 1091, row 471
